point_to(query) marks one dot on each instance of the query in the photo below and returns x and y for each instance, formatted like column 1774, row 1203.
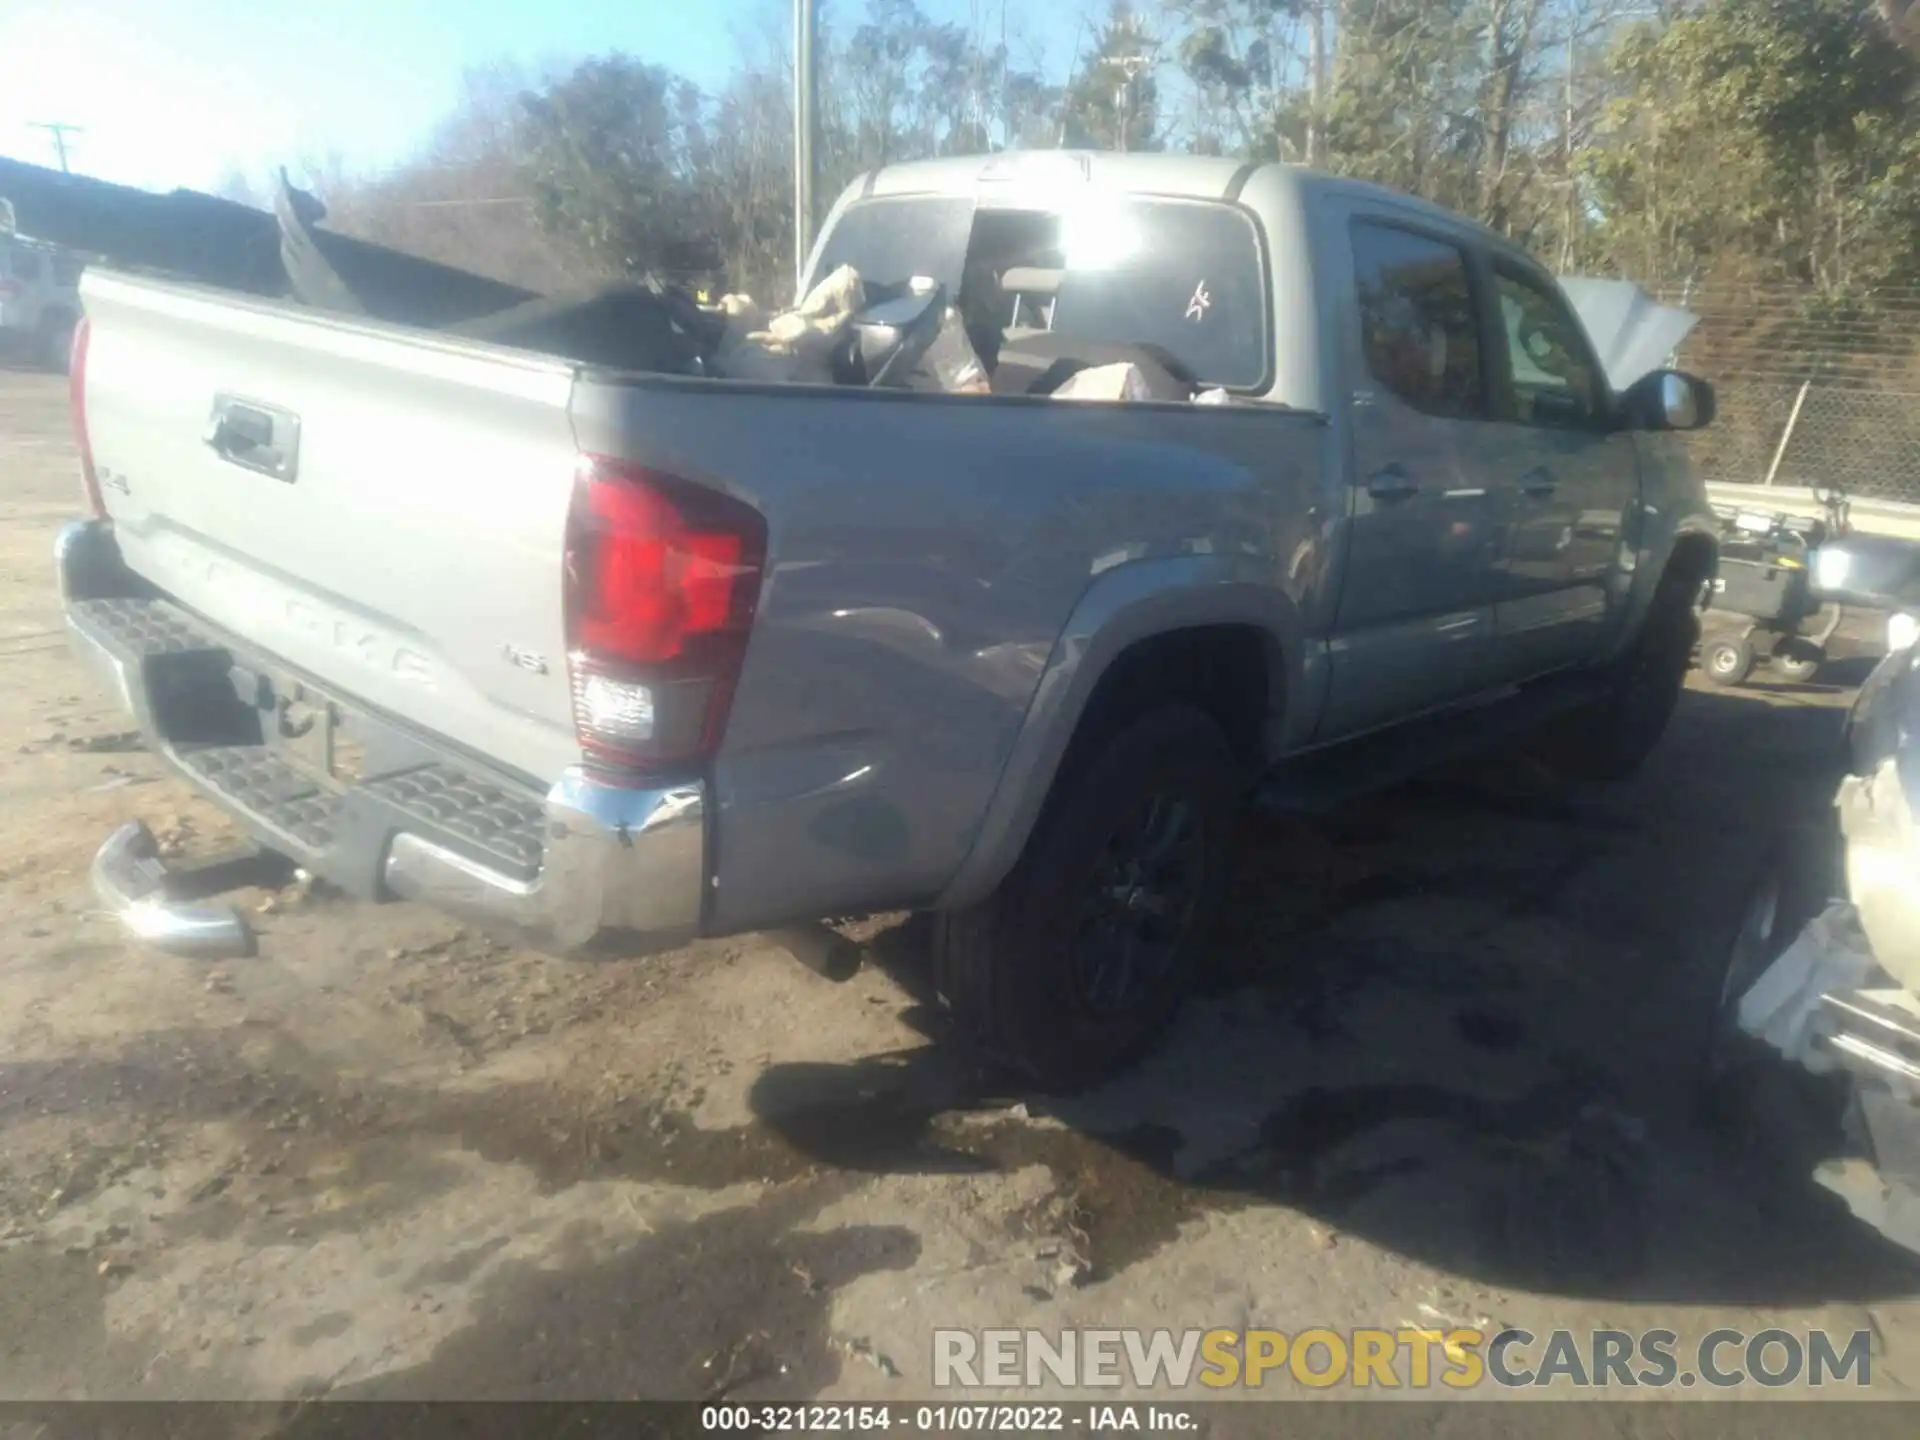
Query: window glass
column 1187, row 278
column 1184, row 276
column 1418, row 325
column 1547, row 360
column 891, row 241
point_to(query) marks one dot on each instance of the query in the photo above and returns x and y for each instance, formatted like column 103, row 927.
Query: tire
column 1797, row 661
column 1727, row 663
column 1609, row 739
column 1038, row 973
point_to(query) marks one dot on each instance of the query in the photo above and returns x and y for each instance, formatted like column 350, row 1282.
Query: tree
column 614, row 154
column 1902, row 19
column 1113, row 103
column 1510, row 29
column 1777, row 137
column 1260, row 73
column 1659, row 138
column 466, row 199
column 1403, row 106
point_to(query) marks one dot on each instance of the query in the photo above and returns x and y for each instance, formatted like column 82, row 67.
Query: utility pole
column 806, row 130
column 1316, row 78
column 59, row 132
column 1572, row 182
column 1131, row 68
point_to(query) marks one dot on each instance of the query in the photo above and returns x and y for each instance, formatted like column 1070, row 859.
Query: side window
column 1418, row 324
column 1554, row 380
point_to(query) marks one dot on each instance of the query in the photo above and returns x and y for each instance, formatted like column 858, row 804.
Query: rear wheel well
column 1225, row 671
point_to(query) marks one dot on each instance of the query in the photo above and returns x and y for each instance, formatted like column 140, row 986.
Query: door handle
column 254, row 437
column 1392, row 483
column 1539, row 482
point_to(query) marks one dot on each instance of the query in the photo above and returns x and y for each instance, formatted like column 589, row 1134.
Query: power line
column 59, row 130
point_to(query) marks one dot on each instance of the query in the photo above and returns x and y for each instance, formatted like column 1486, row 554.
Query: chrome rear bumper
column 605, row 865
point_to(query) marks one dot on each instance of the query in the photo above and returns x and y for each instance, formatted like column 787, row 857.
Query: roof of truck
column 1208, row 177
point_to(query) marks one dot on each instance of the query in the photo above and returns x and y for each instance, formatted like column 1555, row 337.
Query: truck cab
column 1493, row 484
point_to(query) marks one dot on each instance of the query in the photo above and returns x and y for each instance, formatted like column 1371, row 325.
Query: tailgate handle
column 255, row 437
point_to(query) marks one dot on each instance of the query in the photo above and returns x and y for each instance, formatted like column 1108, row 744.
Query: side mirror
column 1669, row 400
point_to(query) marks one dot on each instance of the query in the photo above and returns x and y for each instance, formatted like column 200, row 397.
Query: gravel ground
column 1442, row 1079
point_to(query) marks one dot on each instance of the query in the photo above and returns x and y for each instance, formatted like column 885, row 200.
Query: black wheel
column 1082, row 956
column 1797, row 661
column 1727, row 663
column 1611, row 738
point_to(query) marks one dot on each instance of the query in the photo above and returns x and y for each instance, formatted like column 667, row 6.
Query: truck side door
column 1569, row 477
column 1414, row 622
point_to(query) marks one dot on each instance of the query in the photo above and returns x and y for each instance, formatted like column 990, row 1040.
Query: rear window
column 890, row 241
column 1186, row 276
column 1189, row 279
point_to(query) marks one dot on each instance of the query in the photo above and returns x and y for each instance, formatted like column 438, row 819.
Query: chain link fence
column 1811, row 393
column 1867, row 442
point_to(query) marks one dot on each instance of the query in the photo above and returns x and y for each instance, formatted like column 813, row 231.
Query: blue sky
column 178, row 92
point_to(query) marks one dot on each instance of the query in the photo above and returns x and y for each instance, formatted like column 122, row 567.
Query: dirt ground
column 1443, row 1080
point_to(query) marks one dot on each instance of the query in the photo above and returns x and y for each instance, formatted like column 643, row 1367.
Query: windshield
column 1185, row 276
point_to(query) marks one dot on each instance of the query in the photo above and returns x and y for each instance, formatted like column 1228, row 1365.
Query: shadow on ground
column 1461, row 1021
column 1464, row 1021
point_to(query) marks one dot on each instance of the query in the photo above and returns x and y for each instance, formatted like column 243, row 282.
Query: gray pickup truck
column 617, row 658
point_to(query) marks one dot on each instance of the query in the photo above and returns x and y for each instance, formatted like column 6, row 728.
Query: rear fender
column 1136, row 602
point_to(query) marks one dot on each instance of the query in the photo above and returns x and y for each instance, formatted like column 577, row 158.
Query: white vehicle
column 39, row 300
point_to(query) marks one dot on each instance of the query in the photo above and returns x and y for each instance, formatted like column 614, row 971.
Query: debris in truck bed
column 646, row 326
column 952, row 362
column 1040, row 362
column 1106, row 382
column 795, row 345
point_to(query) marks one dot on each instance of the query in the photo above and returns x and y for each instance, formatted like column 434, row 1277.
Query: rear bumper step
column 584, row 866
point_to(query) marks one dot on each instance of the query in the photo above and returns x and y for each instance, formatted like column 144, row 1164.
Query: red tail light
column 8, row 288
column 77, row 397
column 661, row 582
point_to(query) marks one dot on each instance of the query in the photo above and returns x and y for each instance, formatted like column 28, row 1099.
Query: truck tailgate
column 385, row 510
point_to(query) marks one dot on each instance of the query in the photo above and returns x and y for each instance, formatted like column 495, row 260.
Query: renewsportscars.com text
column 1404, row 1358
